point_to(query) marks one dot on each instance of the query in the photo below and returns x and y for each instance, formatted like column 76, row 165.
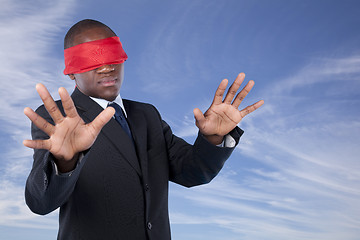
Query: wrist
column 65, row 166
column 214, row 139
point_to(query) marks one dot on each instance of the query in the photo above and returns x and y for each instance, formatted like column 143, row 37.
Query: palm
column 223, row 114
column 70, row 135
column 220, row 120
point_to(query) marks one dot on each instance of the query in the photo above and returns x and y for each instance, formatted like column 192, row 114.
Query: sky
column 295, row 173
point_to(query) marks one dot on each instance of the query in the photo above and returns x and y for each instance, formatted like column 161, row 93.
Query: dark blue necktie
column 120, row 118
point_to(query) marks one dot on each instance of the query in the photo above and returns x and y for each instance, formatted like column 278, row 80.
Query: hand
column 70, row 135
column 223, row 115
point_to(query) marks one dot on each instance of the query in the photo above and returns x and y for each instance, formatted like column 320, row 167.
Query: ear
column 72, row 76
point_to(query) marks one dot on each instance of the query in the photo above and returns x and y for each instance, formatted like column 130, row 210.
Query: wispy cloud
column 300, row 176
column 28, row 32
column 15, row 213
column 174, row 54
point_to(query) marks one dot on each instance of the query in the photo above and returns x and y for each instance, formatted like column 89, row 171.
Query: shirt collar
column 104, row 103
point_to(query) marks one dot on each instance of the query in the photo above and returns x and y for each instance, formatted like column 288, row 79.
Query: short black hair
column 79, row 27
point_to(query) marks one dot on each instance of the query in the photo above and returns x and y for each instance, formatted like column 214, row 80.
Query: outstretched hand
column 223, row 114
column 70, row 135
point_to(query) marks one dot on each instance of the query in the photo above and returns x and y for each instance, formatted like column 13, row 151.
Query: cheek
column 85, row 82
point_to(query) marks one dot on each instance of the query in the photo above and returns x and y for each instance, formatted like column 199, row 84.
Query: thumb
column 103, row 118
column 199, row 117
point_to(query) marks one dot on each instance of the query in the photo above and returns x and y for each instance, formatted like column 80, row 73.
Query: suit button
column 149, row 225
column 147, row 187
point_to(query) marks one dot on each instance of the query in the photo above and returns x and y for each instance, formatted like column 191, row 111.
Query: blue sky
column 296, row 172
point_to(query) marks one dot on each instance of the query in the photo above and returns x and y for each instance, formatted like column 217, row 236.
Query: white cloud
column 28, row 32
column 15, row 213
column 321, row 71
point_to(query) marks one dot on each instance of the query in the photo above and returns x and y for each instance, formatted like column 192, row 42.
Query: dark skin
column 71, row 135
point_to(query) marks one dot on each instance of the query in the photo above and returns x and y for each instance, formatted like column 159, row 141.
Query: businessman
column 106, row 161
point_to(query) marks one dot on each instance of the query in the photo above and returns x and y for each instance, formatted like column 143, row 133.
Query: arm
column 198, row 164
column 57, row 139
column 192, row 165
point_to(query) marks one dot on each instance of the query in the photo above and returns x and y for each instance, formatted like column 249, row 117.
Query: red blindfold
column 91, row 55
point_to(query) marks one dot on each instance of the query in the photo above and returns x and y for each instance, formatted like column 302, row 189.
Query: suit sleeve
column 45, row 190
column 191, row 165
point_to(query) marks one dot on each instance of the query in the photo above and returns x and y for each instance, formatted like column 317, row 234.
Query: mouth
column 108, row 81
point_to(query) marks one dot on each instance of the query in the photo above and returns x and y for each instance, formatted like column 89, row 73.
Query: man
column 109, row 176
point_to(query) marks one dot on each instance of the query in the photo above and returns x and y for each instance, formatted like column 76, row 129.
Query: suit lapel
column 88, row 110
column 138, row 125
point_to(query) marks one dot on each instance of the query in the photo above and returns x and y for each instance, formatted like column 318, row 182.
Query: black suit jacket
column 119, row 190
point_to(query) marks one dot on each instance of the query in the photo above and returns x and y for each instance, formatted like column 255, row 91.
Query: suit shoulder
column 147, row 109
column 41, row 110
column 136, row 104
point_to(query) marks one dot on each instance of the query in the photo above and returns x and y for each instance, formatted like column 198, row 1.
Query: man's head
column 103, row 82
column 79, row 29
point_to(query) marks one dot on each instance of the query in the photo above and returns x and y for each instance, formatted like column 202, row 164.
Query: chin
column 110, row 97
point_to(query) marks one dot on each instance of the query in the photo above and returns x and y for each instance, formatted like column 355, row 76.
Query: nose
column 105, row 69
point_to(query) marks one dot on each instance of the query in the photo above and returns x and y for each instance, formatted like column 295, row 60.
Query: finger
column 234, row 88
column 200, row 118
column 218, row 98
column 243, row 93
column 67, row 103
column 99, row 122
column 37, row 144
column 49, row 103
column 251, row 108
column 40, row 122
